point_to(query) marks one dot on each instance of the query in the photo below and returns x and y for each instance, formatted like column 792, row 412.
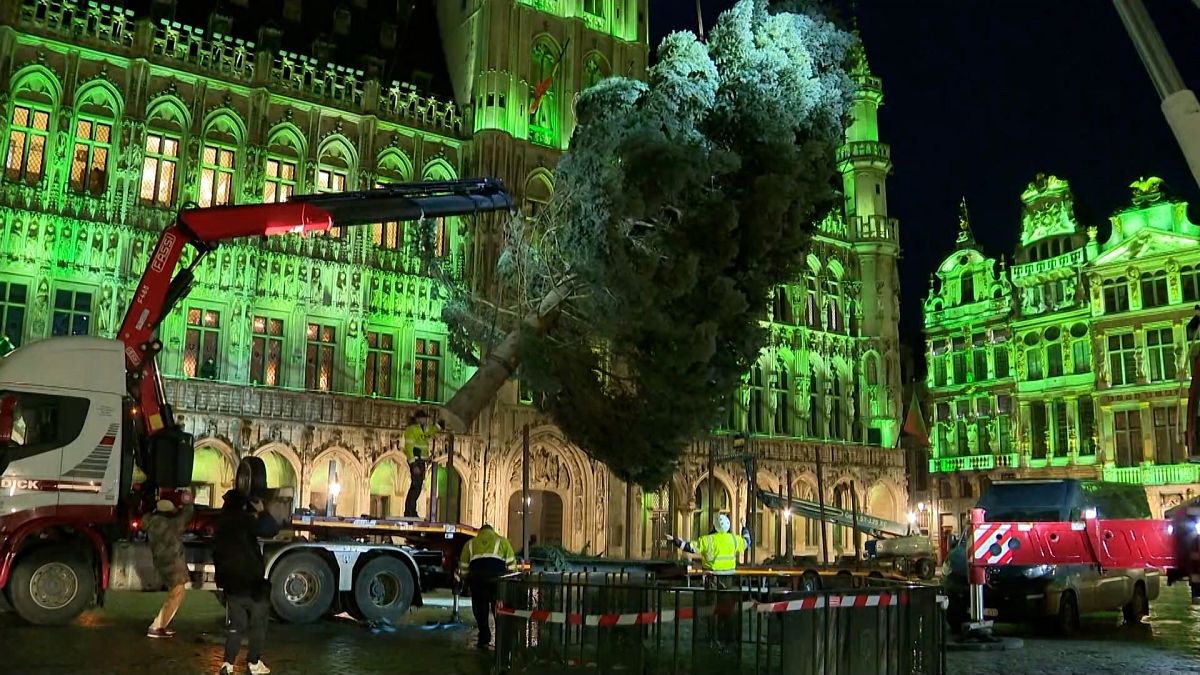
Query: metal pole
column 791, row 529
column 712, row 468
column 854, row 520
column 330, row 481
column 628, row 520
column 670, row 519
column 1179, row 104
column 450, row 475
column 751, row 504
column 525, row 493
column 431, row 473
column 821, row 507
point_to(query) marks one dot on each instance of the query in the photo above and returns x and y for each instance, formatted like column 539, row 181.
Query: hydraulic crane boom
column 161, row 287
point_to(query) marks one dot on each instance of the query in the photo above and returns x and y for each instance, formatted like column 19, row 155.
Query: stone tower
column 865, row 163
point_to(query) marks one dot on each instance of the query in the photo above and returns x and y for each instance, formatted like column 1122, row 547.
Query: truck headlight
column 1038, row 571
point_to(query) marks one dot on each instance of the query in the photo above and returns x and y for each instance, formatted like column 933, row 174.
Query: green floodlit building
column 1073, row 362
column 313, row 352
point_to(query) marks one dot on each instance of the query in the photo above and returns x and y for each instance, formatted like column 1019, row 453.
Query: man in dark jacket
column 240, row 573
column 165, row 527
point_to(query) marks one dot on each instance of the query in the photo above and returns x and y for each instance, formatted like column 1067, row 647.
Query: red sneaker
column 160, row 633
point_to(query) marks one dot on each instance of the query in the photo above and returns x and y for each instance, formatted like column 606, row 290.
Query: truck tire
column 251, row 479
column 1138, row 607
column 1067, row 620
column 925, row 569
column 302, row 588
column 810, row 581
column 383, row 589
column 51, row 586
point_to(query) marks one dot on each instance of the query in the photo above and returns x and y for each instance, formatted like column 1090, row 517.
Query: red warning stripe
column 688, row 613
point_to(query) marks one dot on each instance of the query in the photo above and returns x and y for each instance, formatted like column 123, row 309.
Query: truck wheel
column 925, row 569
column 1138, row 607
column 810, row 581
column 1067, row 621
column 51, row 586
column 302, row 588
column 251, row 479
column 383, row 589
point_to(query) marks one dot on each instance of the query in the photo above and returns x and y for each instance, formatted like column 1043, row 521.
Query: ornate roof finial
column 965, row 237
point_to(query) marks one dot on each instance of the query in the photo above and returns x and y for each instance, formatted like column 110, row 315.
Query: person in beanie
column 240, row 573
column 165, row 527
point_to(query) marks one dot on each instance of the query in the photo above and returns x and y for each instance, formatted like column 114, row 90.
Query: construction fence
column 562, row 623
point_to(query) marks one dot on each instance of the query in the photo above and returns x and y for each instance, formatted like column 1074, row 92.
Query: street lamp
column 335, row 489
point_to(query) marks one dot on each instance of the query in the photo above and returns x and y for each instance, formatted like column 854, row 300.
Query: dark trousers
column 416, row 471
column 245, row 616
column 483, row 603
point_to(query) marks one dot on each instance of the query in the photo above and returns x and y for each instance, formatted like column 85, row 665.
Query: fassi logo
column 160, row 260
column 19, row 484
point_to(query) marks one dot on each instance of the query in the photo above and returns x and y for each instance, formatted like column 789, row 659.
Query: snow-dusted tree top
column 682, row 202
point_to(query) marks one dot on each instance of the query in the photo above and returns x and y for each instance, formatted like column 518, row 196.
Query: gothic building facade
column 313, row 353
column 1071, row 363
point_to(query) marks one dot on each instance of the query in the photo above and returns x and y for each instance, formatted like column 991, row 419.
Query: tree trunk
column 466, row 404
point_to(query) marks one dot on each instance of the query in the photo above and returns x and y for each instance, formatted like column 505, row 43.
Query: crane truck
column 78, row 414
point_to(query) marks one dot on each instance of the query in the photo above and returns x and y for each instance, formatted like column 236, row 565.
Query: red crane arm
column 161, row 287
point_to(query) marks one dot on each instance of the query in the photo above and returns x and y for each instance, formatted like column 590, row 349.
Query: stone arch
column 388, row 481
column 595, row 69
column 38, row 80
column 214, row 466
column 287, row 135
column 351, row 479
column 871, row 372
column 539, row 187
column 395, row 163
column 225, row 125
column 287, row 455
column 557, row 467
column 100, row 94
column 836, row 271
column 338, row 149
column 698, row 496
column 814, row 263
column 883, row 501
column 438, row 169
column 168, row 110
column 543, row 122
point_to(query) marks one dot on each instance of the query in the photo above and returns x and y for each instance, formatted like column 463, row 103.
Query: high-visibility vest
column 487, row 544
column 719, row 551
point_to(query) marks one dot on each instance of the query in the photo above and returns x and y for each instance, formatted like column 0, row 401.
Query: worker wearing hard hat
column 718, row 551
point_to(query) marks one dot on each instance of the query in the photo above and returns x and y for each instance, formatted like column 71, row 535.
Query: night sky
column 979, row 97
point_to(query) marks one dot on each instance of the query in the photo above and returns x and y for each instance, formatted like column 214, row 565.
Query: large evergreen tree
column 682, row 203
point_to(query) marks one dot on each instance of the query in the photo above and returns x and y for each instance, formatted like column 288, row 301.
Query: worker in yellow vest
column 718, row 551
column 485, row 558
column 417, row 436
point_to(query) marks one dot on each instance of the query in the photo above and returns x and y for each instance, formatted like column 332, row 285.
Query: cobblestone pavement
column 111, row 641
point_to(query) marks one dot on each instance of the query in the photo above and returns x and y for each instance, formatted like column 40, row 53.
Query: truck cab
column 1055, row 594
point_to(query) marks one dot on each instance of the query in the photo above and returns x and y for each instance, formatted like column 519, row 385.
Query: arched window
column 595, row 69
column 543, row 111
column 538, row 190
column 218, row 160
column 96, row 113
column 166, row 124
column 393, row 167
column 783, row 306
column 281, row 173
column 833, row 316
column 439, row 237
column 810, row 309
column 335, row 162
column 781, row 387
column 967, row 287
column 757, row 411
column 815, row 411
column 708, row 507
column 35, row 93
column 836, row 407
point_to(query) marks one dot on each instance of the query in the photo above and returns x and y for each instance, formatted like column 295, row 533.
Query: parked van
column 1054, row 594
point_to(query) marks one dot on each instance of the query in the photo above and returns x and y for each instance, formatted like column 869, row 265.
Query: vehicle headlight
column 1039, row 571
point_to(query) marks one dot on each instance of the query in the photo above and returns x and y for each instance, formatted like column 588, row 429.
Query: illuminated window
column 280, row 183
column 158, row 169
column 216, row 175
column 381, row 359
column 12, row 311
column 266, row 351
column 389, row 235
column 427, row 370
column 1127, row 425
column 27, row 137
column 1122, row 359
column 72, row 312
column 200, row 343
column 1116, row 295
column 1154, row 289
column 89, row 157
column 1167, row 446
column 1160, row 347
column 321, row 344
column 331, row 180
column 833, row 317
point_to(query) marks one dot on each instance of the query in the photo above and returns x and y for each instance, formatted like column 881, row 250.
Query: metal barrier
column 563, row 623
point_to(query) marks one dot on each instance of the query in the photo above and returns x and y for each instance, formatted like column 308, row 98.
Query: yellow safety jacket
column 489, row 550
column 416, row 437
column 719, row 551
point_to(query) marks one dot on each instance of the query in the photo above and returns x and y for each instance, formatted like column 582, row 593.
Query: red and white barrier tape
column 688, row 613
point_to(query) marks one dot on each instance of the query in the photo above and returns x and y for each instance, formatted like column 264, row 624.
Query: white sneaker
column 226, row 669
column 259, row 668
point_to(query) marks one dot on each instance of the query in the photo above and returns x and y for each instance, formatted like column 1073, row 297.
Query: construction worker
column 485, row 558
column 416, row 450
column 165, row 527
column 718, row 551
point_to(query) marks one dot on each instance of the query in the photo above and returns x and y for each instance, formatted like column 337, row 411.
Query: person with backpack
column 240, row 573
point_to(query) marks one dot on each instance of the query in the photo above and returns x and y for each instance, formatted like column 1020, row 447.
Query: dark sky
column 980, row 96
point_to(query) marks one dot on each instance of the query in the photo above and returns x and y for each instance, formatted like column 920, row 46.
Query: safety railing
column 562, row 624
